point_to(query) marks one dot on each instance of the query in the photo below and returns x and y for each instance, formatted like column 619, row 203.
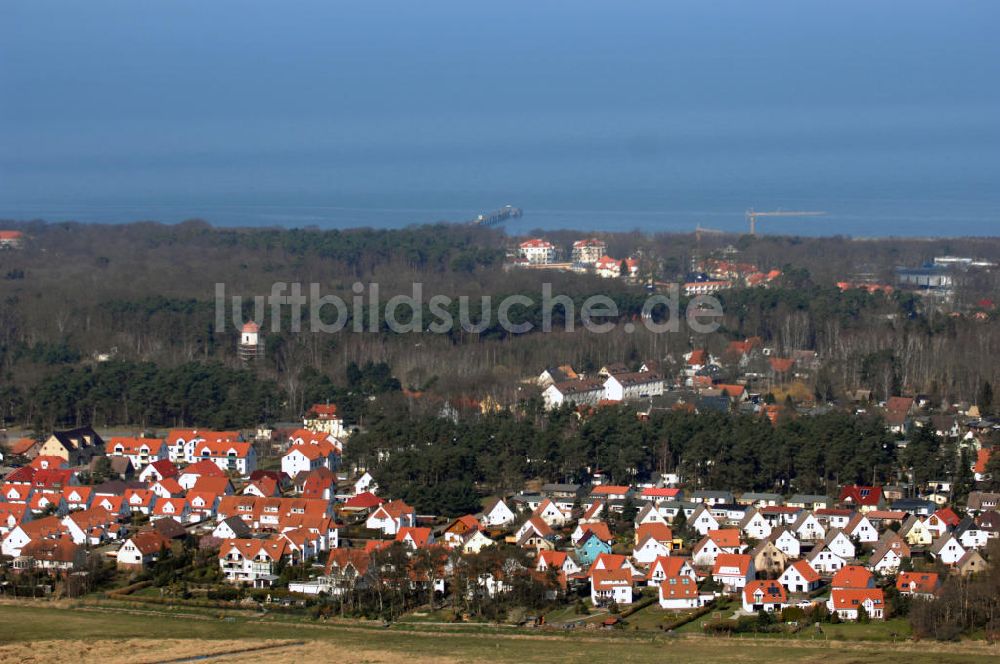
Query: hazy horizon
column 655, row 116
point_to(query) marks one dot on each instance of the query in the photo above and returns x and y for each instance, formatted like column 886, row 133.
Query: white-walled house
column 497, row 514
column 633, row 386
column 800, row 577
column 947, row 549
column 679, row 592
column 702, row 521
column 139, row 451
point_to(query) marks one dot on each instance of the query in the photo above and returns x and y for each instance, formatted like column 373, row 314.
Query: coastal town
column 274, row 515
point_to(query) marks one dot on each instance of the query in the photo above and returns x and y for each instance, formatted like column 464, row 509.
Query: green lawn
column 27, row 623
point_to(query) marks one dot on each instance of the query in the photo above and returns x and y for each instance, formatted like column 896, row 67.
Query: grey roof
column 977, row 498
column 560, row 488
column 809, row 498
column 940, row 542
column 237, row 525
column 913, row 504
column 750, row 495
column 725, row 495
column 965, row 524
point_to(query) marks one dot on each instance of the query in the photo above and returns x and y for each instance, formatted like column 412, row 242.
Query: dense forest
column 443, row 465
column 142, row 295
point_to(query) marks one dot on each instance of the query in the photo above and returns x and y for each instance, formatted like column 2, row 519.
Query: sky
column 873, row 108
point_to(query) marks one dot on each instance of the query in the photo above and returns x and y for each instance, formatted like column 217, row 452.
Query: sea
column 650, row 116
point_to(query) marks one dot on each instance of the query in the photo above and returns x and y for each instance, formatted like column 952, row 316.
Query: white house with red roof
column 158, row 470
column 139, row 451
column 190, row 475
column 11, row 239
column 91, row 527
column 610, row 585
column 252, row 561
column 230, row 456
column 391, row 517
column 733, row 570
column 679, row 592
column 588, row 251
column 538, row 251
column 78, row 497
column 177, row 509
column 323, row 418
column 181, row 443
column 769, row 596
column 846, row 602
column 800, row 577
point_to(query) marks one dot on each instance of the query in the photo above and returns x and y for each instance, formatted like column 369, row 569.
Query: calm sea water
column 655, row 116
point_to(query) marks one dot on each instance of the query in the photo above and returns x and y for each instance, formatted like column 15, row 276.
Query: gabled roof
column 341, row 559
column 364, row 500
column 236, row 524
column 599, row 529
column 203, row 467
column 187, row 435
column 418, row 535
column 658, row 531
column 212, row 484
column 22, row 446
column 171, row 485
column 806, row 570
column 608, row 561
column 771, row 592
column 606, row 579
column 675, row 586
column 739, row 561
column 44, row 461
column 849, row 598
column 222, row 449
column 323, row 411
column 671, row 565
column 165, row 467
column 852, row 576
column 95, row 516
column 918, row 582
column 274, row 549
column 149, row 542
column 947, row 516
column 59, row 550
column 982, row 458
column 133, row 446
column 725, row 537
column 869, row 496
column 552, row 558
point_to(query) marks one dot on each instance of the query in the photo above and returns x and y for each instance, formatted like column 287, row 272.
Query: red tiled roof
column 773, row 592
column 740, row 561
column 852, row 576
column 21, row 445
column 782, row 364
column 204, row 468
column 845, row 598
column 606, row 579
column 861, row 495
column 982, row 458
column 725, row 537
column 806, row 570
column 363, row 501
column 917, row 582
column 655, row 492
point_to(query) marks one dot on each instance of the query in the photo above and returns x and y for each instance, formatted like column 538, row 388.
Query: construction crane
column 699, row 229
column 753, row 214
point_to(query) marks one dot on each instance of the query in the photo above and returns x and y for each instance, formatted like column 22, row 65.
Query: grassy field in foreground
column 23, row 623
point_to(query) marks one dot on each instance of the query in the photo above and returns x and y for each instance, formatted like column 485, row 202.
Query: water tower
column 251, row 346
